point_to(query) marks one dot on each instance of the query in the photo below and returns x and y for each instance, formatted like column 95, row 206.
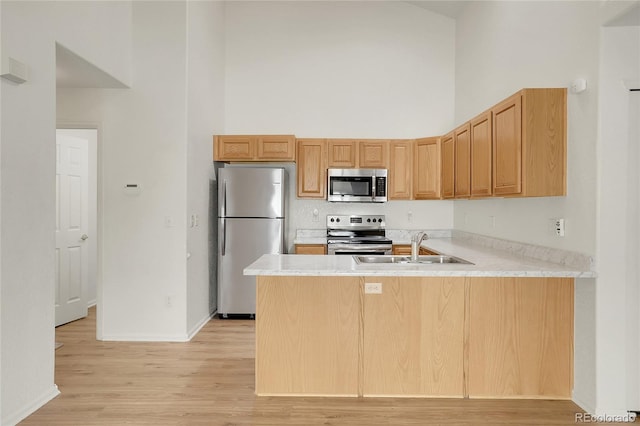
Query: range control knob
column 333, row 220
column 369, row 220
column 380, row 220
column 374, row 220
column 338, row 220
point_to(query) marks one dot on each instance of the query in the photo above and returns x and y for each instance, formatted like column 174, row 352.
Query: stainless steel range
column 352, row 234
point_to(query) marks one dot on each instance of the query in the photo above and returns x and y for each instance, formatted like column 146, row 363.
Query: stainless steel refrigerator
column 251, row 222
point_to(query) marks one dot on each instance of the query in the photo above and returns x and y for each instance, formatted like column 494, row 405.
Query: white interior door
column 72, row 227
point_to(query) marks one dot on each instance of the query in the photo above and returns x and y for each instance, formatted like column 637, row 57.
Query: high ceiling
column 451, row 8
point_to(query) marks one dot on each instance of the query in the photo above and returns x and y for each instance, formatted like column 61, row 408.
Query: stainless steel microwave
column 357, row 185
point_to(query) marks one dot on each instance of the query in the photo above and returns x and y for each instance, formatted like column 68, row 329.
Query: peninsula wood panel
column 342, row 153
column 413, row 337
column 311, row 248
column 481, row 157
column 448, row 166
column 426, row 171
column 307, row 335
column 462, row 138
column 520, row 338
column 311, row 168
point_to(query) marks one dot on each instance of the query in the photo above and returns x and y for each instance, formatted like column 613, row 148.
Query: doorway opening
column 76, row 223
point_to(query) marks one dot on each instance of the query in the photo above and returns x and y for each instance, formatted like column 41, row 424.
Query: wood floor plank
column 210, row 381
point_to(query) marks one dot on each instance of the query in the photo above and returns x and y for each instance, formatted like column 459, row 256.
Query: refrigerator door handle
column 223, row 206
column 223, row 241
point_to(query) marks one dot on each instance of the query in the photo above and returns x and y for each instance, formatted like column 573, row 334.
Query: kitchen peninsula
column 501, row 327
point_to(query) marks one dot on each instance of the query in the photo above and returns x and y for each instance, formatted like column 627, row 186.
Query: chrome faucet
column 416, row 240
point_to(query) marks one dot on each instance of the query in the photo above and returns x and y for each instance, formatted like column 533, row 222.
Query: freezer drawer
column 240, row 243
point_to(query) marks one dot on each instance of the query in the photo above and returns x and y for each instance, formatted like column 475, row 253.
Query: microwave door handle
column 373, row 187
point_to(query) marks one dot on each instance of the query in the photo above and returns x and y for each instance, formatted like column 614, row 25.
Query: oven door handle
column 360, row 248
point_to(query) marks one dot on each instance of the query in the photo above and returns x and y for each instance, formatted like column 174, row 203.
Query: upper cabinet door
column 276, row 148
column 463, row 161
column 373, row 154
column 426, row 170
column 311, row 162
column 400, row 170
column 342, row 153
column 507, row 146
column 447, row 150
column 254, row 148
column 234, row 147
column 481, row 155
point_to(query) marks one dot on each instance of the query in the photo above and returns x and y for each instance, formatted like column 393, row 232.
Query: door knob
column 84, row 237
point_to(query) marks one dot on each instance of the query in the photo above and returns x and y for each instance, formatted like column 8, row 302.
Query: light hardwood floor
column 210, row 381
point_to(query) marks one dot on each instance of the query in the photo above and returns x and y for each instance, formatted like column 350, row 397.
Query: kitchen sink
column 394, row 259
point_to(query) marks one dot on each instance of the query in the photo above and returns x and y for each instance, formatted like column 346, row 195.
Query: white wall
column 205, row 108
column 143, row 293
column 341, row 69
column 27, row 169
column 502, row 47
column 617, row 227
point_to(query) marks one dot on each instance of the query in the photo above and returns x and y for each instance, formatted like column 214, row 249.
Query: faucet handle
column 419, row 236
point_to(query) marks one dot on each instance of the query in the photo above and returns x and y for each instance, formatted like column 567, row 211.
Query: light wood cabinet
column 254, row 148
column 342, row 153
column 478, row 337
column 311, row 249
column 234, row 147
column 481, row 156
column 276, row 148
column 401, row 249
column 529, row 144
column 400, row 173
column 448, row 166
column 520, row 338
column 413, row 337
column 462, row 167
column 372, row 154
column 426, row 169
column 363, row 154
column 307, row 335
column 405, row 250
column 311, row 163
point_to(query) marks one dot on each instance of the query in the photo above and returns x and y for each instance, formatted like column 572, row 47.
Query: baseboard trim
column 31, row 408
column 586, row 407
column 144, row 338
column 196, row 328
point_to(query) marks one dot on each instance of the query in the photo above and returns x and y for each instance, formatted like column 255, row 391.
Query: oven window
column 358, row 186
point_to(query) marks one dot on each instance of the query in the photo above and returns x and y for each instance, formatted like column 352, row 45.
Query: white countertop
column 487, row 262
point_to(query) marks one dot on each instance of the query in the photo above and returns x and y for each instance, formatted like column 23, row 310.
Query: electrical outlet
column 558, row 227
column 373, row 288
